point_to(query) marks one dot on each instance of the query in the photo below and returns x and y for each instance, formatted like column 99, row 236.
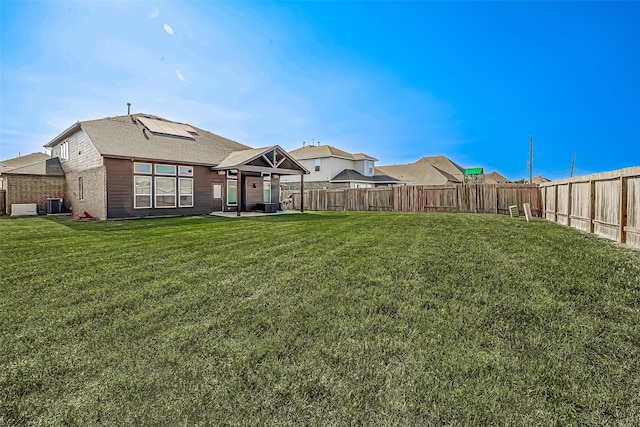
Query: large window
column 165, row 192
column 142, row 197
column 156, row 186
column 186, row 192
column 232, row 192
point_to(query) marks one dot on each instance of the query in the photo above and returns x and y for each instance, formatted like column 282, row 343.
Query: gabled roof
column 51, row 167
column 349, row 175
column 18, row 162
column 445, row 164
column 319, row 151
column 496, row 178
column 436, row 170
column 540, row 180
column 279, row 157
column 127, row 137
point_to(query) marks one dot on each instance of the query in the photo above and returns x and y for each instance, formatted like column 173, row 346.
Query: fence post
column 592, row 205
column 569, row 189
column 301, row 193
column 623, row 210
column 555, row 203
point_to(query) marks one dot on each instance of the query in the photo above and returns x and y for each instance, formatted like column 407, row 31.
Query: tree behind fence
column 460, row 198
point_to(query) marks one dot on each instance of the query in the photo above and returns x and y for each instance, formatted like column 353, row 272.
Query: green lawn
column 316, row 319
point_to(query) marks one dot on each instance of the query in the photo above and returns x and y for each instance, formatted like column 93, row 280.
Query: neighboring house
column 20, row 161
column 34, row 183
column 434, row 170
column 334, row 168
column 539, row 180
column 142, row 165
column 496, row 178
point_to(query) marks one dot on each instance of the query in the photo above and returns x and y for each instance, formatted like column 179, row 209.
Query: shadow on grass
column 132, row 224
column 303, row 217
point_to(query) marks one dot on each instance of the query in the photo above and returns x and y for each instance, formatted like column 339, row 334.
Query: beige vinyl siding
column 82, row 154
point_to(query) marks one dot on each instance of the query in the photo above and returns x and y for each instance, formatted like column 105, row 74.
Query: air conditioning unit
column 24, row 209
column 54, row 206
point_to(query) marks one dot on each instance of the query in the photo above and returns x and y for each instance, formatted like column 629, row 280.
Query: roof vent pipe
column 303, row 144
column 128, row 108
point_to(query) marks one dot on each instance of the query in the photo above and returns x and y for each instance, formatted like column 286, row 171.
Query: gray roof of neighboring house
column 125, row 136
column 435, row 170
column 51, row 167
column 352, row 175
column 18, row 162
column 317, row 151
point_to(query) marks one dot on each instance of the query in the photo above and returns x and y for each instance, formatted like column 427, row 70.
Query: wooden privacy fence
column 461, row 198
column 607, row 204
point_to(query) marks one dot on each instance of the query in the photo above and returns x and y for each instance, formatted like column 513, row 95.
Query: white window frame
column 180, row 194
column 155, row 169
column 188, row 172
column 235, row 181
column 64, row 150
column 135, row 194
column 141, row 172
column 317, row 163
column 266, row 186
column 156, row 195
column 368, row 167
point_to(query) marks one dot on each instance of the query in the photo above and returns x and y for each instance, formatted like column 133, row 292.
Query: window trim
column 64, row 150
column 137, row 172
column 150, row 194
column 235, row 182
column 155, row 192
column 186, row 173
column 155, row 169
column 266, row 185
column 316, row 165
column 189, row 194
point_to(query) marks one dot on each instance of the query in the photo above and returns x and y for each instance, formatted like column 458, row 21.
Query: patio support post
column 239, row 191
column 302, row 193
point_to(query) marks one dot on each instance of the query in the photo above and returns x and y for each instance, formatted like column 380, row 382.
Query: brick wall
column 33, row 189
column 92, row 197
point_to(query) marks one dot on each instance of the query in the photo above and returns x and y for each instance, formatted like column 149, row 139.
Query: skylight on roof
column 167, row 128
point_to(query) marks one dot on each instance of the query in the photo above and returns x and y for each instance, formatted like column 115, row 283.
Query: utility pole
column 530, row 159
column 573, row 165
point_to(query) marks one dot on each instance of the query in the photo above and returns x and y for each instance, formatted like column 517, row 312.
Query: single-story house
column 140, row 165
column 432, row 170
column 32, row 183
column 497, row 178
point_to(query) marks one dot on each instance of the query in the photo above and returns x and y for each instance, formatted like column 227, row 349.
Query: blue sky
column 396, row 80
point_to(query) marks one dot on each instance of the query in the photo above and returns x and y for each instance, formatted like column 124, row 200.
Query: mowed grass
column 316, row 319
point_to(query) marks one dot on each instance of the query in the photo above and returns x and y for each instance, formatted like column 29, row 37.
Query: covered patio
column 253, row 179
